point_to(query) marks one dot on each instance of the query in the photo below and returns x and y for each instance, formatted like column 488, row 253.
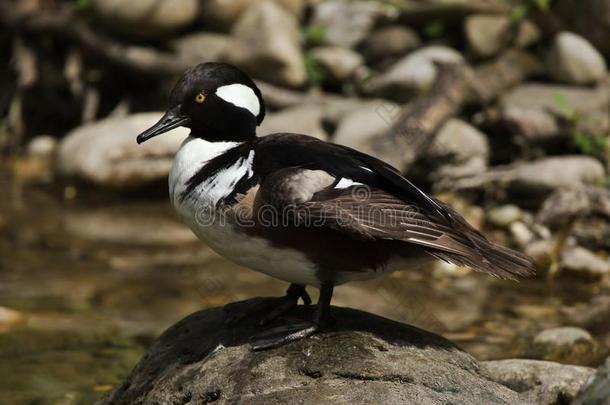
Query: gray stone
column 458, row 150
column 567, row 204
column 573, row 60
column 546, row 175
column 587, row 106
column 272, row 49
column 362, row 124
column 538, row 127
column 539, row 382
column 105, row 152
column 304, row 119
column 488, row 34
column 363, row 359
column 346, row 23
column 220, row 15
column 504, row 215
column 598, row 391
column 565, row 344
column 339, row 63
column 42, row 146
column 589, row 18
column 412, row 74
column 146, row 18
column 200, row 47
column 582, row 262
column 389, row 42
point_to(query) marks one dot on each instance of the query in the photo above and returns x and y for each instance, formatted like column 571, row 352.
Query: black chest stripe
column 214, row 166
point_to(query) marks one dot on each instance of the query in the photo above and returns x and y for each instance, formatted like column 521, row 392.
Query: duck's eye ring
column 200, row 98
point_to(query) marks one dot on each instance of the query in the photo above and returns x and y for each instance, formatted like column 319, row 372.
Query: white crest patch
column 240, row 96
column 345, row 183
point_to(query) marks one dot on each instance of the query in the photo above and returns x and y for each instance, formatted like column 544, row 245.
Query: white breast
column 200, row 213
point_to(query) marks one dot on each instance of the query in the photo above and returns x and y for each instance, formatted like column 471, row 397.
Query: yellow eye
column 199, row 98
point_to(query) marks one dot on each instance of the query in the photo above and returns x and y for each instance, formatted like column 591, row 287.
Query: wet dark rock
column 598, row 391
column 539, row 382
column 389, row 42
column 565, row 344
column 149, row 19
column 573, row 60
column 360, row 360
column 105, row 153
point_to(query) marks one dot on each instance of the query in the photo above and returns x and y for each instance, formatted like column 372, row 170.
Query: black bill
column 172, row 119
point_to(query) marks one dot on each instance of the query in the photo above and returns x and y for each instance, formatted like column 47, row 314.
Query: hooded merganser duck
column 302, row 210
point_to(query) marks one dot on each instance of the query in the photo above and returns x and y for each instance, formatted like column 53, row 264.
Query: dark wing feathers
column 382, row 216
column 293, row 150
column 394, row 208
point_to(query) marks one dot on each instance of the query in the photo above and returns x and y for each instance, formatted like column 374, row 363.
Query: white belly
column 212, row 227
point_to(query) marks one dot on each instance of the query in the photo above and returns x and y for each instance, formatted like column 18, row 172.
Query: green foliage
column 595, row 144
column 565, row 108
column 434, row 29
column 591, row 144
column 82, row 5
column 315, row 73
column 523, row 8
column 313, row 34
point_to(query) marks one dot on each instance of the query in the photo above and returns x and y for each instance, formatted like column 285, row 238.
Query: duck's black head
column 217, row 101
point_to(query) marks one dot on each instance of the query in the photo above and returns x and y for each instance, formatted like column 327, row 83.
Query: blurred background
column 500, row 108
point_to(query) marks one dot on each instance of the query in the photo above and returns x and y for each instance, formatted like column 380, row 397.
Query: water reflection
column 86, row 283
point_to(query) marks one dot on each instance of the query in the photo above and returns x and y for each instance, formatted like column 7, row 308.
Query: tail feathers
column 488, row 257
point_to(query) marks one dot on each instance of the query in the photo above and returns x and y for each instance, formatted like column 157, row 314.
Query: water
column 89, row 279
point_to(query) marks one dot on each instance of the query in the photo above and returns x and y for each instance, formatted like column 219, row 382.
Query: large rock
column 582, row 262
column 222, row 14
column 589, row 18
column 532, row 182
column 339, row 63
column 539, row 382
column 303, row 119
column 346, row 23
column 458, row 150
column 364, row 359
column 573, row 60
column 565, row 344
column 412, row 74
column 200, row 47
column 146, row 18
column 272, row 48
column 598, row 391
column 360, row 127
column 488, row 34
column 106, row 153
column 587, row 108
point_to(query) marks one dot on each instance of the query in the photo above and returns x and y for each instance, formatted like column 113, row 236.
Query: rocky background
column 501, row 108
